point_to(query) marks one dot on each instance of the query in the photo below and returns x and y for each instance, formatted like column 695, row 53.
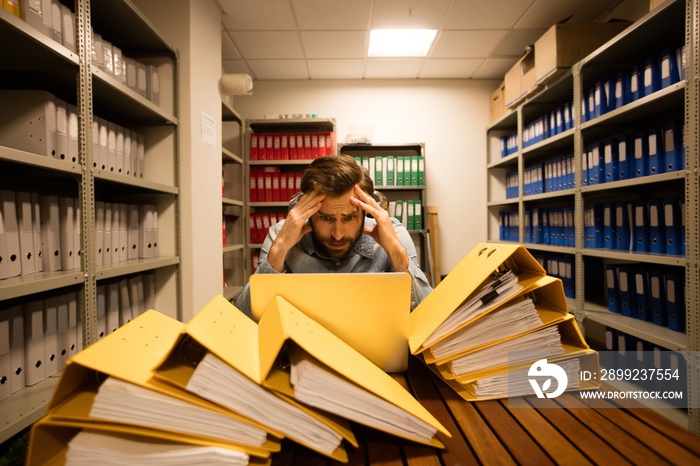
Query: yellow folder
column 282, row 322
column 588, row 361
column 547, row 293
column 130, row 354
column 226, row 332
column 464, row 280
column 49, row 439
column 571, row 339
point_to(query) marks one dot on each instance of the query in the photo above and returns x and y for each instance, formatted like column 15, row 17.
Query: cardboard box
column 567, row 43
column 520, row 79
column 498, row 104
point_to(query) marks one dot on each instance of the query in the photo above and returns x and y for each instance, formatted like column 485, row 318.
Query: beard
column 329, row 247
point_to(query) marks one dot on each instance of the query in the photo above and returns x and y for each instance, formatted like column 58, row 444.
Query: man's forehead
column 338, row 205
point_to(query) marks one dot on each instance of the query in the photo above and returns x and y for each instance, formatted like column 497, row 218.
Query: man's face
column 337, row 226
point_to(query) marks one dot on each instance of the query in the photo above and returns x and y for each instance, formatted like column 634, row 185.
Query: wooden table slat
column 457, row 451
column 651, row 437
column 485, row 443
column 619, row 439
column 520, row 445
column 586, row 439
column 559, row 447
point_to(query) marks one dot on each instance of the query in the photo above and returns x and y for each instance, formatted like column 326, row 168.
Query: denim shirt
column 366, row 256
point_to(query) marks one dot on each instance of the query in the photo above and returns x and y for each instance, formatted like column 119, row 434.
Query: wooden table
column 489, row 432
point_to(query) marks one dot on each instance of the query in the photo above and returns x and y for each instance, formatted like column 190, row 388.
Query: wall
column 449, row 116
column 194, row 28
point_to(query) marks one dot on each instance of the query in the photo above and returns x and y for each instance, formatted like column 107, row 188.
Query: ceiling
column 328, row 39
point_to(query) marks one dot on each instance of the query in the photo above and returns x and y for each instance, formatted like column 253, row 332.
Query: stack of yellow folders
column 495, row 315
column 220, row 389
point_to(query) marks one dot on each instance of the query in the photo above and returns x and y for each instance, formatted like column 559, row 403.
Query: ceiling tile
column 332, row 14
column 515, row 42
column 450, row 68
column 334, row 44
column 493, row 14
column 236, row 66
column 279, row 69
column 409, row 14
column 268, row 44
column 466, row 44
column 260, row 15
column 228, row 49
column 545, row 13
column 493, row 68
column 391, row 68
column 336, row 69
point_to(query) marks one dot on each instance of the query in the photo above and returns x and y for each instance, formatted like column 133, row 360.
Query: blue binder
column 609, row 237
column 640, row 155
column 612, row 287
column 600, row 95
column 544, row 221
column 674, row 150
column 673, row 226
column 657, row 230
column 636, row 83
column 651, row 75
column 657, row 297
column 619, row 93
column 623, row 231
column 596, row 167
column 655, row 151
column 626, row 290
column 641, row 294
column 610, row 159
column 593, row 226
column 669, row 67
column 640, row 226
column 675, row 300
column 624, row 155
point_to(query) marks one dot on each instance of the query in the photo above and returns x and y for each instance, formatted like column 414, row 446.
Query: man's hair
column 335, row 175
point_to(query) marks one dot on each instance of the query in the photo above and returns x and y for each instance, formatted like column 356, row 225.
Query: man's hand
column 294, row 228
column 383, row 233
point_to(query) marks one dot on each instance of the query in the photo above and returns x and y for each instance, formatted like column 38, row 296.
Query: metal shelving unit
column 35, row 61
column 235, row 251
column 675, row 22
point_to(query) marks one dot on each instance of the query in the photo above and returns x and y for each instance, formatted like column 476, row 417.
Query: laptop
column 369, row 311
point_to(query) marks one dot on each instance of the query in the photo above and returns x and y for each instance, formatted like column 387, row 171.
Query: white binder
column 147, row 231
column 125, row 315
column 36, row 232
column 50, row 233
column 112, row 147
column 127, row 152
column 34, row 363
column 26, row 232
column 123, row 232
column 61, row 129
column 35, row 130
column 101, row 311
column 119, row 159
column 73, row 125
column 56, row 26
column 67, row 219
column 77, row 229
column 134, row 232
column 136, row 295
column 102, row 150
column 99, row 231
column 11, row 233
column 113, row 307
column 68, row 28
column 63, row 330
column 18, row 371
column 116, row 225
column 5, row 361
column 107, row 247
column 51, row 335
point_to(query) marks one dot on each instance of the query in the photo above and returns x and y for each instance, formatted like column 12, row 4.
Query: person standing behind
column 326, row 231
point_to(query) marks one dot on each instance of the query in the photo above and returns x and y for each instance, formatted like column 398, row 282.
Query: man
column 326, row 231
